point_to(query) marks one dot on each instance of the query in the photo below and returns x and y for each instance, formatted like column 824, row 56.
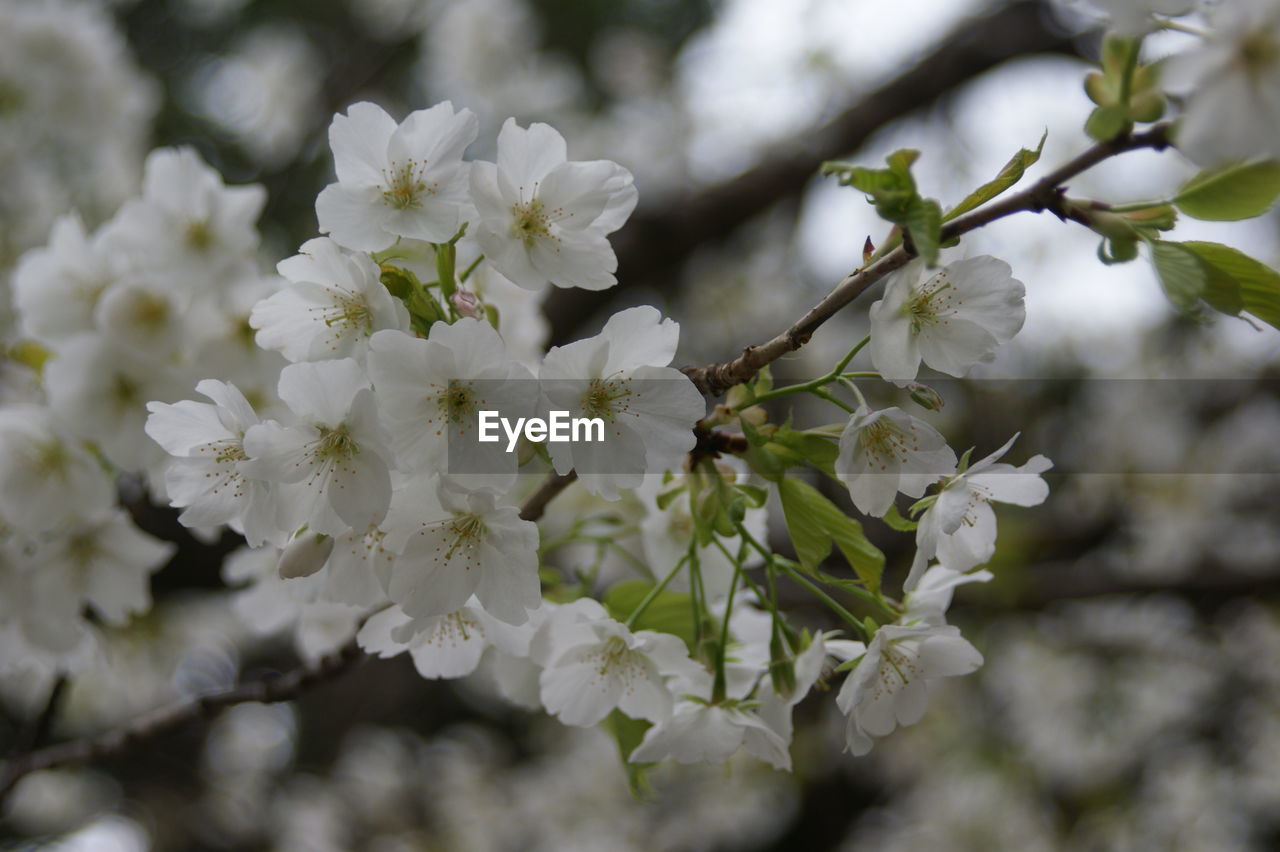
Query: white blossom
column 334, row 302
column 596, row 664
column 405, row 180
column 887, row 451
column 205, row 477
column 337, row 453
column 444, row 646
column 431, row 391
column 452, row 543
column 1232, row 85
column 543, row 218
column 951, row 320
column 620, row 376
column 46, row 479
column 959, row 528
column 890, row 684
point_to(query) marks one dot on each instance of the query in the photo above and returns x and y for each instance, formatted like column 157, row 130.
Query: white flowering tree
column 685, row 582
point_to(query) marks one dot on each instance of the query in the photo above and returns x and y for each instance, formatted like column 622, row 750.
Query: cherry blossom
column 396, row 180
column 543, row 218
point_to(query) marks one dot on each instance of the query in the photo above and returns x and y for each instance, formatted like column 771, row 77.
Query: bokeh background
column 1131, row 694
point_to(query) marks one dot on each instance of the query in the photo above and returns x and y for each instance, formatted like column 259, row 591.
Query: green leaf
column 815, row 523
column 1009, row 175
column 670, row 612
column 818, row 451
column 1182, row 276
column 1232, row 192
column 756, row 496
column 628, row 733
column 1237, row 279
column 1107, row 122
column 895, row 520
column 923, row 221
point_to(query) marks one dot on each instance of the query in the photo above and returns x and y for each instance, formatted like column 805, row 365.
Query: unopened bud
column 925, row 396
column 868, row 250
column 305, row 555
column 467, row 304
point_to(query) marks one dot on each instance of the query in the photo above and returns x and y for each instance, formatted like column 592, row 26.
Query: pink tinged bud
column 304, row 556
column 467, row 304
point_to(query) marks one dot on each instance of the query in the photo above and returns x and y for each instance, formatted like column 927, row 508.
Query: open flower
column 454, row 543
column 951, row 320
column 543, row 218
column 337, row 453
column 596, row 665
column 621, row 377
column 1232, row 83
column 959, row 528
column 890, row 684
column 405, row 180
column 333, row 303
column 430, row 393
column 884, row 452
column 204, row 477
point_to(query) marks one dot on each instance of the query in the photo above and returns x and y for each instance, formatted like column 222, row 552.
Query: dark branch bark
column 282, row 687
column 536, row 504
column 1045, row 194
column 655, row 243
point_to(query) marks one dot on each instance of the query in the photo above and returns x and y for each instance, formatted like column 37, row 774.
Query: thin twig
column 281, row 687
column 1045, row 194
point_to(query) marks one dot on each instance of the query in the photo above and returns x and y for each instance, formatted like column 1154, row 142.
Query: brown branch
column 1044, row 194
column 282, row 687
column 536, row 504
column 655, row 243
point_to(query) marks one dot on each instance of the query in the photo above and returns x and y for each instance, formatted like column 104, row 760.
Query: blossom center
column 935, row 298
column 346, row 311
column 531, row 221
column 199, row 235
column 467, row 531
column 457, row 401
column 405, row 188
column 606, row 398
column 335, row 444
column 885, row 442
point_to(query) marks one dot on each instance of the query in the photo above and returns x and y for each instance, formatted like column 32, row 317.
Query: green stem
column 817, row 383
column 470, row 269
column 804, row 581
column 862, row 400
column 823, row 393
column 653, row 593
column 718, row 689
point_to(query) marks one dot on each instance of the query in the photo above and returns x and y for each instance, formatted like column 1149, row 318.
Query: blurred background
column 1130, row 698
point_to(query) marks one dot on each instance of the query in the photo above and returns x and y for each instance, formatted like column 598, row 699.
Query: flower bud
column 304, row 555
column 925, row 396
column 467, row 304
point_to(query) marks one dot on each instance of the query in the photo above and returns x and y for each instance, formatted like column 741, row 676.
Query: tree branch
column 655, row 243
column 1044, row 194
column 536, row 504
column 282, row 687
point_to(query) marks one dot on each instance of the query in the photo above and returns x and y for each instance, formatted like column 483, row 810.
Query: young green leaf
column 1009, row 175
column 1231, row 192
column 1237, row 279
column 815, row 523
column 923, row 221
column 1182, row 276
